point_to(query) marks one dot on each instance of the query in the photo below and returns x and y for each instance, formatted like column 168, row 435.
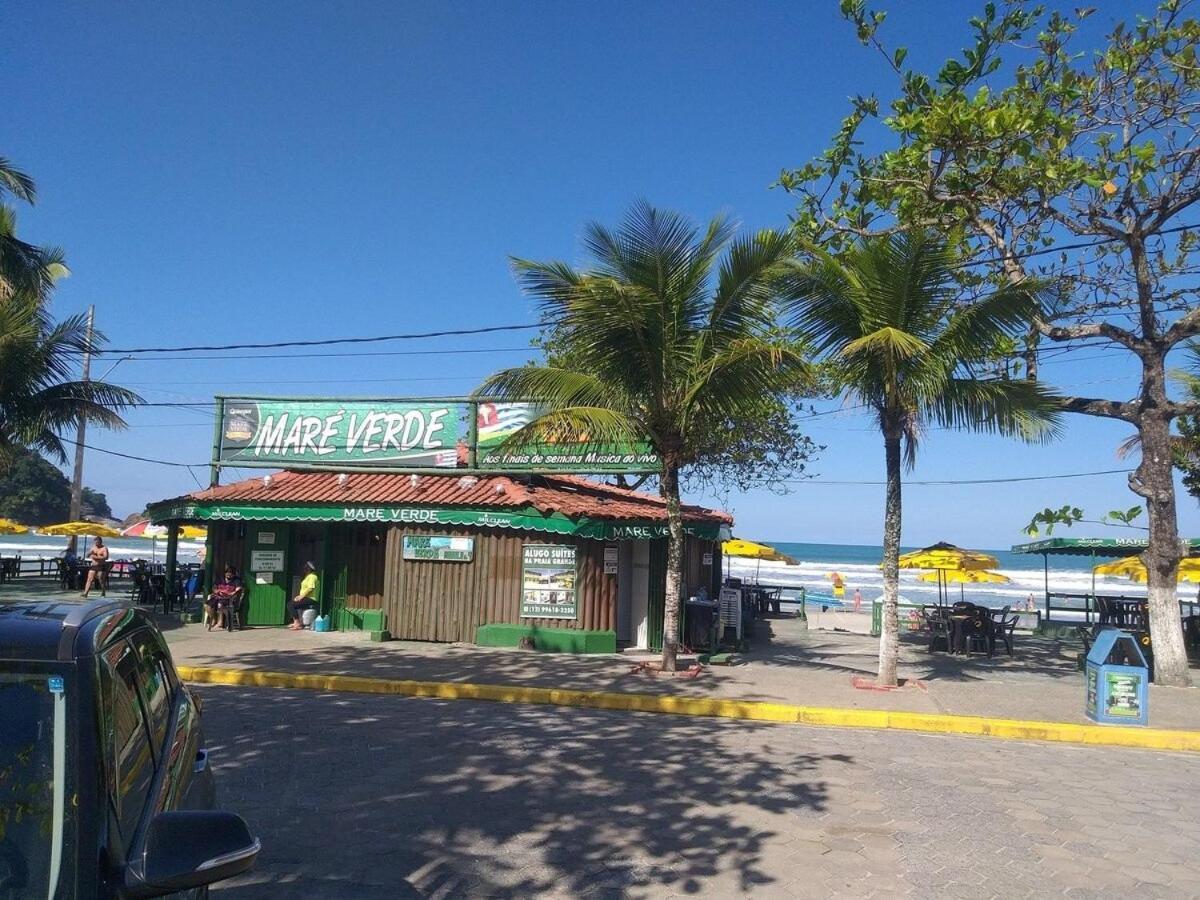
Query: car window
column 132, row 762
column 36, row 799
column 155, row 680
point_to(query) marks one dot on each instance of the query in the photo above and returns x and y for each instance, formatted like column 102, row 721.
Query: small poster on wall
column 548, row 582
column 438, row 548
column 266, row 560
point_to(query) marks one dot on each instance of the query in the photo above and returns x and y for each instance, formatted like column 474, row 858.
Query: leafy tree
column 661, row 346
column 1069, row 515
column 1187, row 445
column 884, row 314
column 34, row 492
column 1056, row 162
column 95, row 503
column 39, row 397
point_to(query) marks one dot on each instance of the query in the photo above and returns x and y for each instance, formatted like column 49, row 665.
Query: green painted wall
column 349, row 619
column 554, row 640
column 266, row 604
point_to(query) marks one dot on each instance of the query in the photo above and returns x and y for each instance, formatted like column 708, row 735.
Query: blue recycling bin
column 1117, row 676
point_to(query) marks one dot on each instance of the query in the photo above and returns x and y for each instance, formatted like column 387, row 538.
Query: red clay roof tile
column 566, row 494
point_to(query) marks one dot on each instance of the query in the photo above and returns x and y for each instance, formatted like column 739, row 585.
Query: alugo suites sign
column 406, row 433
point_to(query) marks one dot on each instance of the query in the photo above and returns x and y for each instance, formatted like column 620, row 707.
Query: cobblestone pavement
column 367, row 796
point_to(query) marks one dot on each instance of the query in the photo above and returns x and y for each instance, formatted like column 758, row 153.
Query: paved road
column 364, row 797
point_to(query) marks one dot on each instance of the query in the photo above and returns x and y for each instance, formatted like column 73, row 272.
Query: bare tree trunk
column 1154, row 481
column 674, row 586
column 889, row 636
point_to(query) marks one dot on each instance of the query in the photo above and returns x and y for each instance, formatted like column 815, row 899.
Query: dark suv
column 105, row 786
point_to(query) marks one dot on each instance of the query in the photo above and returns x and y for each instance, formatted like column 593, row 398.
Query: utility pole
column 80, row 436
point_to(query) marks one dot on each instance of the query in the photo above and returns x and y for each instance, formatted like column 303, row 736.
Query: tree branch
column 1109, row 409
column 1091, row 330
column 1186, row 327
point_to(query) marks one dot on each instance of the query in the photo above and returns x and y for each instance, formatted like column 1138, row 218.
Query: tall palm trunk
column 669, row 489
column 889, row 635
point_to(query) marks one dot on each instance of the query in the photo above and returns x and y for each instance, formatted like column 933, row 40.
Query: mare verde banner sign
column 418, row 434
column 330, row 432
column 497, row 422
column 526, row 520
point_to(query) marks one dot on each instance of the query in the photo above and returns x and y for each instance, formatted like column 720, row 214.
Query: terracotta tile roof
column 566, row 494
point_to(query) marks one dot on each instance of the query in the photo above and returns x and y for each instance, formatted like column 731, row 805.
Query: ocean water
column 859, row 567
column 857, row 564
column 31, row 546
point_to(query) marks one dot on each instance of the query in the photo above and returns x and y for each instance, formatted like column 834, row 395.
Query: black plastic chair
column 980, row 634
column 1003, row 628
column 938, row 626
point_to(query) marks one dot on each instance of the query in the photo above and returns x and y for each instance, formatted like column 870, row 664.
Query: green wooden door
column 266, row 573
column 336, row 573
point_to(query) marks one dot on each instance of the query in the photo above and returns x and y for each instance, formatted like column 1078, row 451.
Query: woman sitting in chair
column 225, row 598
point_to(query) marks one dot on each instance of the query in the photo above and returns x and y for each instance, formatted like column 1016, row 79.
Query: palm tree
column 24, row 268
column 39, row 398
column 658, row 346
column 886, row 317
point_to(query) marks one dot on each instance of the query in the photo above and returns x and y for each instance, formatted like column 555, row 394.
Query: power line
column 1059, row 248
column 145, row 459
column 325, row 342
column 973, row 480
column 356, row 355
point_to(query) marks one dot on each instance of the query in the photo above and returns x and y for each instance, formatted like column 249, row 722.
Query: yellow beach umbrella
column 192, row 533
column 752, row 550
column 1135, row 569
column 948, row 557
column 945, row 558
column 1127, row 566
column 81, row 529
column 966, row 576
column 7, row 526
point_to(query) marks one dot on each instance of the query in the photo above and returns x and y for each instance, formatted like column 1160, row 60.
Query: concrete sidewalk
column 786, row 664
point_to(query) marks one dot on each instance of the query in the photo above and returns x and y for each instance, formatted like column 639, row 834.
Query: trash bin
column 1117, row 675
column 700, row 624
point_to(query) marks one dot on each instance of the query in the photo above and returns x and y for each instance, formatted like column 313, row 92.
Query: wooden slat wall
column 362, row 549
column 228, row 547
column 445, row 601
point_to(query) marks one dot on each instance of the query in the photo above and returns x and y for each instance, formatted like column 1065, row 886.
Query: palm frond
column 16, row 182
column 1012, row 407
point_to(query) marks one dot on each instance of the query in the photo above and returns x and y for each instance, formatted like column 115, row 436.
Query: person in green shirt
column 306, row 599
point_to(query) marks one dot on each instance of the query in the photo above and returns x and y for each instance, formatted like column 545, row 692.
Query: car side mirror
column 190, row 848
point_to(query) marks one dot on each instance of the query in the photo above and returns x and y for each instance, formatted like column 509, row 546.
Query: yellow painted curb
column 754, row 710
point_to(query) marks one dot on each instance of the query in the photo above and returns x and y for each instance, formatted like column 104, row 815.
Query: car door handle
column 201, row 760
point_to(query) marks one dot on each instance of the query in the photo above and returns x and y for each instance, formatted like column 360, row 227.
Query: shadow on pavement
column 359, row 796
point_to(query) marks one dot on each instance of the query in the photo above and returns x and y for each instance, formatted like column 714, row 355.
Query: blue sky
column 228, row 172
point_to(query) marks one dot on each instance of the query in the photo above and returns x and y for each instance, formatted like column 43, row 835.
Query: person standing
column 857, row 600
column 306, row 599
column 97, row 568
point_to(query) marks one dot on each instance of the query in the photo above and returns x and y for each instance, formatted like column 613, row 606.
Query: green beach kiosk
column 573, row 564
column 1096, row 549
